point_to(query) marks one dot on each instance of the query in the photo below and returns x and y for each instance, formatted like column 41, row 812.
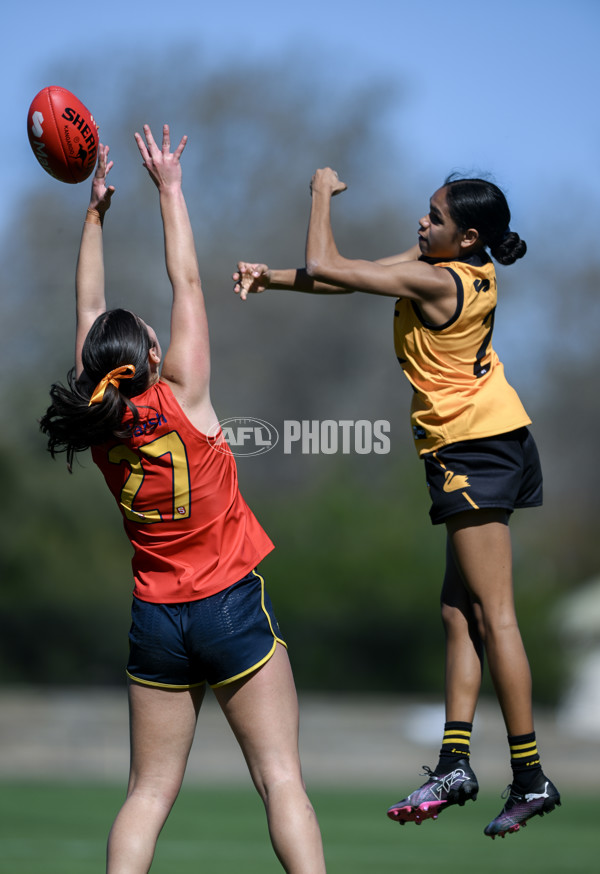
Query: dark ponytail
column 479, row 204
column 116, row 338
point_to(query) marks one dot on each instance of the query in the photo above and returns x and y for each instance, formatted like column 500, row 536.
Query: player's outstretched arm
column 89, row 278
column 251, row 278
column 187, row 361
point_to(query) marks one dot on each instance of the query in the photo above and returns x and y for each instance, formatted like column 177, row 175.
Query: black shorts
column 215, row 640
column 501, row 472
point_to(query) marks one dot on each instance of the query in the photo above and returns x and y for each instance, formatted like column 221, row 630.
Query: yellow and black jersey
column 461, row 392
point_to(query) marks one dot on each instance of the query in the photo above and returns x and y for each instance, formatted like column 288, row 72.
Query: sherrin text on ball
column 63, row 134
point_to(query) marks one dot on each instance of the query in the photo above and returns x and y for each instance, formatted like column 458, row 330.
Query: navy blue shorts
column 501, row 472
column 215, row 640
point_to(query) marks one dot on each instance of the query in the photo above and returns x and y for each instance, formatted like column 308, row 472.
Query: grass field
column 61, row 829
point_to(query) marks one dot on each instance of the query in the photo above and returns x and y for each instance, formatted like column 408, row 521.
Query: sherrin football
column 62, row 134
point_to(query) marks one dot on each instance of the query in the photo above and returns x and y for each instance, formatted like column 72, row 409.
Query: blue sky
column 509, row 88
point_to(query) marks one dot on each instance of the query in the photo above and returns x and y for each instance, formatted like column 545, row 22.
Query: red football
column 62, row 134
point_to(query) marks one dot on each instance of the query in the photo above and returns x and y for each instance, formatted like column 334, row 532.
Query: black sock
column 456, row 745
column 524, row 759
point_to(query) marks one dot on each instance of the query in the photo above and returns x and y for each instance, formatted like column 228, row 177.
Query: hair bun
column 510, row 248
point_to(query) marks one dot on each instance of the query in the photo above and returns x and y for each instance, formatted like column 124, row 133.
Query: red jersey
column 192, row 532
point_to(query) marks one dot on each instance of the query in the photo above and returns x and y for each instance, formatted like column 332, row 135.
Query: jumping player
column 200, row 613
column 481, row 461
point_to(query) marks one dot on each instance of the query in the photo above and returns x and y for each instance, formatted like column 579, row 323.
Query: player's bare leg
column 480, row 542
column 482, row 550
column 262, row 710
column 464, row 646
column 162, row 730
column 477, row 610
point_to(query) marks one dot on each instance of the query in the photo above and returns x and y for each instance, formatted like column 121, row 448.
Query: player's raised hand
column 250, row 279
column 163, row 165
column 326, row 181
column 101, row 192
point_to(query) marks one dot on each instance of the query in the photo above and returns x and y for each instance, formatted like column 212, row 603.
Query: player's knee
column 160, row 795
column 497, row 624
column 279, row 780
column 453, row 619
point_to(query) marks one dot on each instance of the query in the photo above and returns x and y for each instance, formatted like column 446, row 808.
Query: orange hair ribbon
column 114, row 377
